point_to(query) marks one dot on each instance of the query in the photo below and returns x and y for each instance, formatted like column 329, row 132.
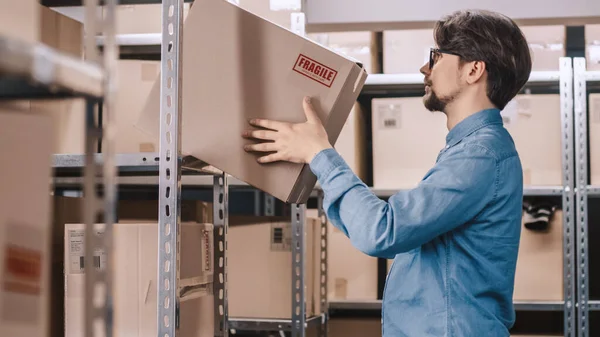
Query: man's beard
column 434, row 103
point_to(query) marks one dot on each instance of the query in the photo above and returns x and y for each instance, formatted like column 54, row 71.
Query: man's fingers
column 260, row 134
column 261, row 147
column 267, row 124
column 309, row 111
column 271, row 158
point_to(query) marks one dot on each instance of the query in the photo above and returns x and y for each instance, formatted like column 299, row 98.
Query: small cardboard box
column 539, row 273
column 260, row 267
column 20, row 20
column 535, row 125
column 238, row 66
column 406, row 141
column 135, row 278
column 25, row 256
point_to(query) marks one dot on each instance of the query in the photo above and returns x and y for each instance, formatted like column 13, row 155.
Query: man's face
column 442, row 81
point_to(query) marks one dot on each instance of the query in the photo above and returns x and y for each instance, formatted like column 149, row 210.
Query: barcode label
column 281, row 237
column 389, row 116
column 77, row 253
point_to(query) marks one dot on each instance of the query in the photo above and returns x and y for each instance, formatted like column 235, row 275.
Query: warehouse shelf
column 134, row 162
column 375, row 305
column 34, row 70
column 152, row 180
column 254, row 324
column 593, row 191
column 527, row 191
column 592, row 76
column 69, row 3
column 594, row 305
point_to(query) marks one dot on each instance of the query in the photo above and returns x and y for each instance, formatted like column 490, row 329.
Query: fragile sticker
column 22, row 274
column 315, row 70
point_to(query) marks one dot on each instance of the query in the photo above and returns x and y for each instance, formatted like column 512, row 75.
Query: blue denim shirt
column 454, row 238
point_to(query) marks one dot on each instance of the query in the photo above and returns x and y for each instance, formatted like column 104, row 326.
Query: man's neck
column 457, row 112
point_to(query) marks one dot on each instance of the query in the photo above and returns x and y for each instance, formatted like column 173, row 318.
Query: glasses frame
column 433, row 51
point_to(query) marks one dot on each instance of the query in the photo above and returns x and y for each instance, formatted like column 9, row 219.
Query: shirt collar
column 471, row 124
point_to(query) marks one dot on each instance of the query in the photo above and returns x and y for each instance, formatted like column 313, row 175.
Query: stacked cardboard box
column 405, row 51
column 351, row 274
column 25, row 254
column 135, row 272
column 406, row 141
column 20, row 20
column 260, row 267
column 539, row 274
column 534, row 123
column 592, row 47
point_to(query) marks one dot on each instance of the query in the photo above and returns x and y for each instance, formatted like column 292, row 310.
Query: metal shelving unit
column 581, row 80
column 36, row 71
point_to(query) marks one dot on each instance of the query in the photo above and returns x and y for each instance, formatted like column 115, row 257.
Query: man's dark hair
column 479, row 35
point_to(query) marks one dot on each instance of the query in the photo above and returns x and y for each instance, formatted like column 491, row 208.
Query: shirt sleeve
column 453, row 192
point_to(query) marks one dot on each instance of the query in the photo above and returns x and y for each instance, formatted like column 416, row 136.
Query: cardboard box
column 356, row 45
column 278, row 12
column 64, row 34
column 547, row 46
column 351, row 143
column 535, row 126
column 594, row 133
column 20, row 20
column 260, row 267
column 406, row 51
column 406, row 141
column 351, row 274
column 355, row 327
column 25, row 138
column 135, row 271
column 262, row 71
column 539, row 274
column 135, row 82
column 592, row 47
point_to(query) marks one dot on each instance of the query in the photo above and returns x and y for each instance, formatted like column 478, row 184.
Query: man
column 454, row 238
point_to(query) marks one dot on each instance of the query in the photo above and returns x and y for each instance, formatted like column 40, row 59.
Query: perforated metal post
column 100, row 200
column 581, row 151
column 220, row 219
column 566, row 109
column 170, row 169
column 298, row 270
column 323, row 267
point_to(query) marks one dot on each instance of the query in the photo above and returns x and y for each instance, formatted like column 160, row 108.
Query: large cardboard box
column 135, row 82
column 135, row 271
column 20, row 20
column 351, row 143
column 351, row 274
column 594, row 133
column 64, row 34
column 535, row 126
column 25, row 139
column 356, row 45
column 407, row 139
column 260, row 267
column 254, row 69
column 592, row 47
column 539, row 274
column 406, row 51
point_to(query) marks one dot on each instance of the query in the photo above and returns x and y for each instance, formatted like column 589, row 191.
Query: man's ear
column 475, row 71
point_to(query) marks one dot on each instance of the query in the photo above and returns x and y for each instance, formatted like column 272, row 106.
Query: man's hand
column 296, row 143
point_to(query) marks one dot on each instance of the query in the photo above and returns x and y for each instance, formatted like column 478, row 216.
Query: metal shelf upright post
column 566, row 101
column 170, row 169
column 583, row 191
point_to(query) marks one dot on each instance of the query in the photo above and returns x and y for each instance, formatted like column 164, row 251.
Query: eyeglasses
column 435, row 53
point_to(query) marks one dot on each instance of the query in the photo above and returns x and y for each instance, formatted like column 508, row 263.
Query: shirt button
column 447, row 146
